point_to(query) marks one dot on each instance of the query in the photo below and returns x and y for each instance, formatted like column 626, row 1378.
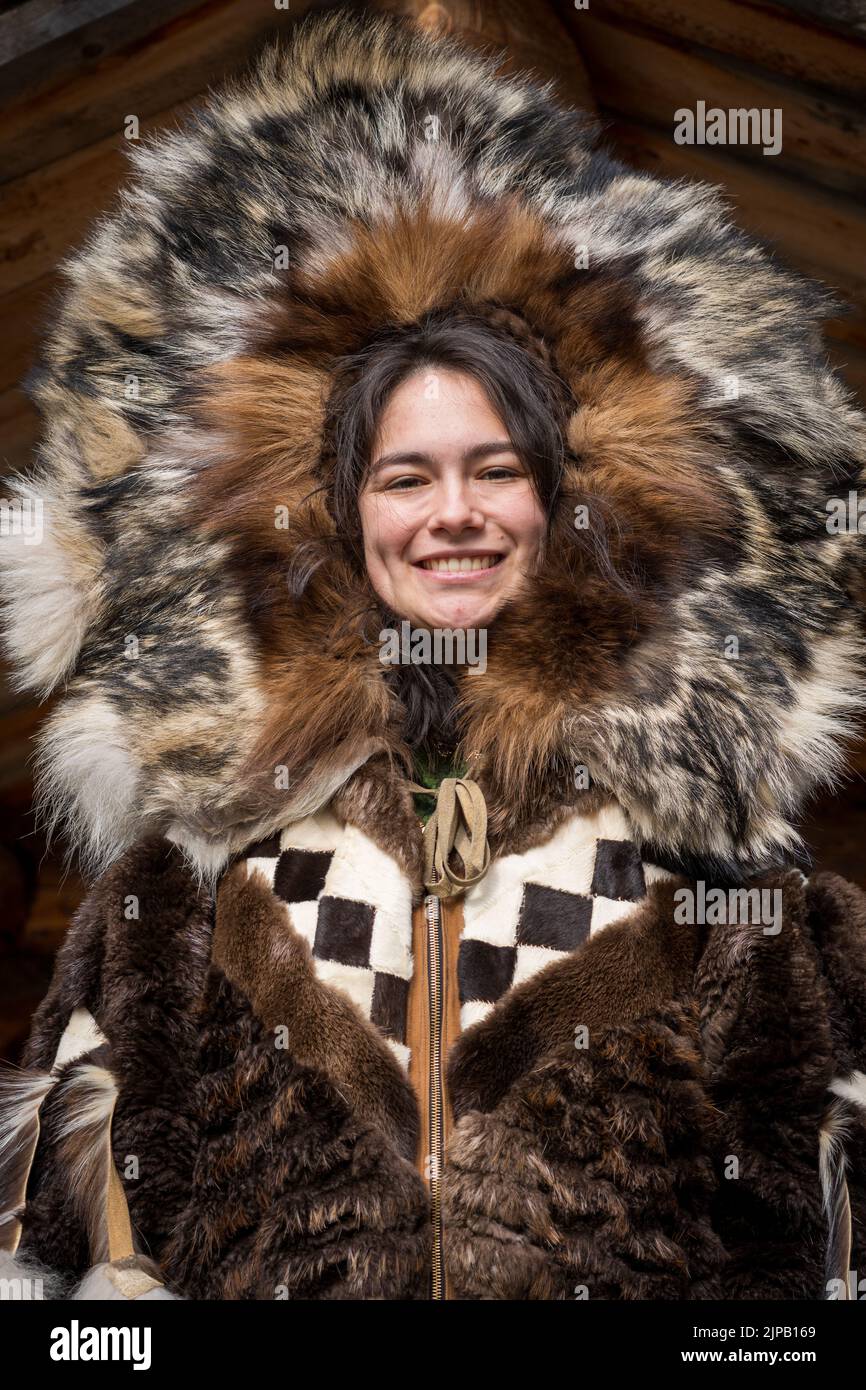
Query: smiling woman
column 486, row 1059
column 444, row 439
column 448, row 535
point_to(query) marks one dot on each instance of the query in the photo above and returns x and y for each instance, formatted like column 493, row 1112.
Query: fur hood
column 184, row 388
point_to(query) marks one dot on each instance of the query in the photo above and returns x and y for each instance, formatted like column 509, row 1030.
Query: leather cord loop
column 459, row 823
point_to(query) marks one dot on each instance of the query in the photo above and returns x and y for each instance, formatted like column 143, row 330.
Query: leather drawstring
column 117, row 1222
column 459, row 823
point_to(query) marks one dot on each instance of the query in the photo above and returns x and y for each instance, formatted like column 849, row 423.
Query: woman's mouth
column 460, row 564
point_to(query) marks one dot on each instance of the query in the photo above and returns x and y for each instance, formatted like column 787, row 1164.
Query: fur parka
column 659, row 1089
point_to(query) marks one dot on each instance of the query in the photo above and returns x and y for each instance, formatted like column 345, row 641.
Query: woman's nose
column 455, row 509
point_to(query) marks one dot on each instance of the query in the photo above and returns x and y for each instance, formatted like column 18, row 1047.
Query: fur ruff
column 184, row 386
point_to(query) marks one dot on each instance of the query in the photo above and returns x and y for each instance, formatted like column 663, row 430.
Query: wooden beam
column 647, row 77
column 42, row 39
column 20, row 428
column 48, row 211
column 25, row 312
column 846, row 15
column 175, row 62
column 786, row 44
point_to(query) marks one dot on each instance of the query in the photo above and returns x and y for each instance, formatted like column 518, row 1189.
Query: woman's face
column 450, row 519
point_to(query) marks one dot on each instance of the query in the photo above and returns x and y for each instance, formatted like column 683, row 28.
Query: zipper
column 436, row 1157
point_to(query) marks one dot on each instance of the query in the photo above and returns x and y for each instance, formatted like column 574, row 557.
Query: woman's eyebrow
column 478, row 451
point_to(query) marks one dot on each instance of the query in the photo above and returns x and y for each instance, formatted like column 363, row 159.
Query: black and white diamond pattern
column 352, row 902
column 534, row 907
column 353, row 905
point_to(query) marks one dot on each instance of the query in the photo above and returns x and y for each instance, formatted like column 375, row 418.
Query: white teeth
column 465, row 562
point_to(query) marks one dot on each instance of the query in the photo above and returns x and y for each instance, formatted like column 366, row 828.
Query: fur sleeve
column 38, row 1228
column 100, row 1116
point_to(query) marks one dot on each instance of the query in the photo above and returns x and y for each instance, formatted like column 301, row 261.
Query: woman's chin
column 455, row 604
column 456, row 614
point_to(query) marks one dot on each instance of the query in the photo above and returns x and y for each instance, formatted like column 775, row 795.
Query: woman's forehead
column 442, row 405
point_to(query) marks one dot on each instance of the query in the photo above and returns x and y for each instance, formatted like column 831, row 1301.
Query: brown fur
column 620, row 974
column 591, row 1177
column 261, row 953
column 605, row 1170
column 603, row 1167
column 293, row 1194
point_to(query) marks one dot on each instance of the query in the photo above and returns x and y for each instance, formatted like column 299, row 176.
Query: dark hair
column 531, row 400
column 428, row 695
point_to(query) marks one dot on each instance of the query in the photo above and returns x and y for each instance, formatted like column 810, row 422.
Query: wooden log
column 60, row 891
column 788, row 45
column 175, row 62
column 646, row 77
column 49, row 211
column 41, row 40
column 847, row 16
column 26, row 313
column 19, row 433
column 851, row 362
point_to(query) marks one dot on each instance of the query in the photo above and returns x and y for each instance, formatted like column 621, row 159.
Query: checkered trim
column 353, row 905
column 535, row 907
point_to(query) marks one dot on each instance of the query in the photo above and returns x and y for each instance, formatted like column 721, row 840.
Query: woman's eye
column 497, row 472
column 403, row 483
column 502, row 470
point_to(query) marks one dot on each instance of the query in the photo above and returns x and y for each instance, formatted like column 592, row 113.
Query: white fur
column 34, row 1280
column 21, row 1095
column 834, row 1192
column 88, row 778
column 81, row 1034
column 49, row 603
column 91, row 1099
column 851, row 1088
column 97, row 1285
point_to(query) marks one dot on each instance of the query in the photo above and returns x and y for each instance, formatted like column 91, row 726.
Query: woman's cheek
column 525, row 519
column 397, row 524
column 383, row 547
